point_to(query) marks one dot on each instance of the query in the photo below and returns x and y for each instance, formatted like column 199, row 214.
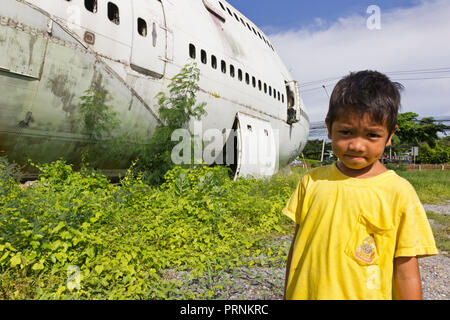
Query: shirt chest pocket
column 368, row 241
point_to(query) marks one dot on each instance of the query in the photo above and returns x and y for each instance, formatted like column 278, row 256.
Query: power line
column 433, row 78
column 396, row 79
column 318, row 81
column 402, row 72
column 431, row 70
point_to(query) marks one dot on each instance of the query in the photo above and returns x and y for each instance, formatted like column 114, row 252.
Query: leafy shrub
column 176, row 110
column 439, row 154
column 125, row 240
column 96, row 118
column 8, row 170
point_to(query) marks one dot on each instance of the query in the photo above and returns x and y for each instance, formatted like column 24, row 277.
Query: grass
column 431, row 186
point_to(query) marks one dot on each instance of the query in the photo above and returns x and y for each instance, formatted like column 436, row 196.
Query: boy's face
column 359, row 142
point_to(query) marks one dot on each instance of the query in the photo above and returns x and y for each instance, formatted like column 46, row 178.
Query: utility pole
column 325, row 88
column 323, row 144
column 323, row 149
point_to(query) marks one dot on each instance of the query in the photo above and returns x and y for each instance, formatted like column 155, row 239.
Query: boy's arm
column 407, row 279
column 289, row 259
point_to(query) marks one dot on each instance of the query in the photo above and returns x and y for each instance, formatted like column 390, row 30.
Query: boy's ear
column 389, row 141
column 327, row 122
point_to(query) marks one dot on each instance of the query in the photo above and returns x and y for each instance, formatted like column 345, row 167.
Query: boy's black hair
column 366, row 92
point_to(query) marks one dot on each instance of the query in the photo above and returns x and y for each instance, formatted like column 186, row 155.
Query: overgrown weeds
column 176, row 109
column 122, row 239
column 74, row 235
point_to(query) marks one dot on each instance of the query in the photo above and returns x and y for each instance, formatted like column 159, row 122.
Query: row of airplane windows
column 246, row 24
column 113, row 10
column 240, row 74
column 113, row 15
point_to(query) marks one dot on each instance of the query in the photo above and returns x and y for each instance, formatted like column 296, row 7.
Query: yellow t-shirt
column 350, row 230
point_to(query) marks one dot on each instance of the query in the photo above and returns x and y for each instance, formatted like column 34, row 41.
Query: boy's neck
column 370, row 171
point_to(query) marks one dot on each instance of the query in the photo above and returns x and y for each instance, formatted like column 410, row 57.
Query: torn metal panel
column 21, row 52
column 257, row 147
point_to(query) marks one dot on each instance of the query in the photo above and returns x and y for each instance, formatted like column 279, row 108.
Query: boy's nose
column 356, row 145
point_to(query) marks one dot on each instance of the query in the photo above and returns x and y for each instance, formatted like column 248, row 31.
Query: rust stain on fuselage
column 97, row 83
column 31, row 45
column 60, row 86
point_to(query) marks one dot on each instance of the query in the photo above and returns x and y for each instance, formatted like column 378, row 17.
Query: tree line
column 412, row 132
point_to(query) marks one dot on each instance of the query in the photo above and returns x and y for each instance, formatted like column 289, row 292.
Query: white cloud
column 409, row 39
column 319, row 22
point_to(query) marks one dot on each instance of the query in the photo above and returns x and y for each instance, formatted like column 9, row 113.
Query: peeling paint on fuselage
column 60, row 85
column 31, row 45
column 43, row 126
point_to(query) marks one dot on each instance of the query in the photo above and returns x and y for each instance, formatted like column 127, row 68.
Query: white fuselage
column 131, row 50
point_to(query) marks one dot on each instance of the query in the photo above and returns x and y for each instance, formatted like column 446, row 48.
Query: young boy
column 359, row 227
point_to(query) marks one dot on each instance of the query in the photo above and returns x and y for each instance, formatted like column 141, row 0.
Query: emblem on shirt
column 366, row 250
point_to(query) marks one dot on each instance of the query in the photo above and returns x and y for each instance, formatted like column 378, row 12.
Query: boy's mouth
column 354, row 157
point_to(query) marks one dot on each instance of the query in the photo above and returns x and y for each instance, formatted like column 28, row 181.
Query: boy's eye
column 345, row 132
column 373, row 135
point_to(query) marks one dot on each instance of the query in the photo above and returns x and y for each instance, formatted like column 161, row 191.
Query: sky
column 323, row 40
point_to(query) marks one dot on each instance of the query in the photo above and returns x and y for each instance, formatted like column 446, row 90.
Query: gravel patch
column 435, row 270
column 435, row 275
column 443, row 208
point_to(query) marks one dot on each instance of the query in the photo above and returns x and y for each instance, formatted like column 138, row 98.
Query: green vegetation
column 96, row 118
column 106, row 146
column 431, row 186
column 129, row 240
column 176, row 110
column 110, row 146
column 313, row 151
column 414, row 132
column 126, row 239
column 422, row 133
column 439, row 154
